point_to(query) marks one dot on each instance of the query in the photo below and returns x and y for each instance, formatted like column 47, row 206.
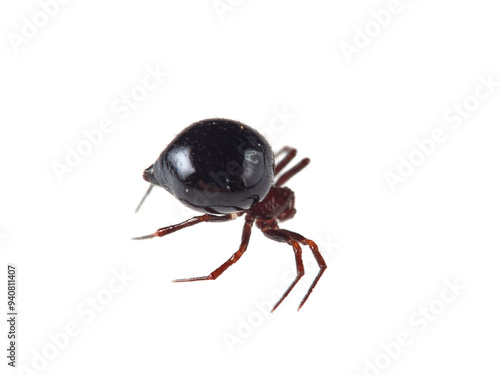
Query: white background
column 389, row 252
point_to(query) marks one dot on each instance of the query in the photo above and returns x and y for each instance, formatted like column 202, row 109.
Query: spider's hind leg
column 194, row 220
column 144, row 197
column 245, row 238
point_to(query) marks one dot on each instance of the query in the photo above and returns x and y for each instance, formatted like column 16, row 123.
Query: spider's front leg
column 194, row 220
column 289, row 153
column 271, row 230
column 317, row 255
column 276, row 234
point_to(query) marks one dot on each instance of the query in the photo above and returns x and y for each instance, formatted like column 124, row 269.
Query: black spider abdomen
column 215, row 166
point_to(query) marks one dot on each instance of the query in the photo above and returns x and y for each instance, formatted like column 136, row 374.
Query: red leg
column 292, row 172
column 245, row 238
column 317, row 256
column 282, row 236
column 194, row 220
column 290, row 154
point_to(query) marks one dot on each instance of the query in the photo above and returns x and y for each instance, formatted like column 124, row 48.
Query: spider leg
column 245, row 238
column 144, row 197
column 194, row 220
column 282, row 236
column 292, row 172
column 319, row 259
column 290, row 154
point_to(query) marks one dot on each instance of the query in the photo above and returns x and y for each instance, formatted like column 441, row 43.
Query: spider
column 226, row 169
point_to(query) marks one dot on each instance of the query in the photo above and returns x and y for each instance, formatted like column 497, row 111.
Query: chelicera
column 226, row 169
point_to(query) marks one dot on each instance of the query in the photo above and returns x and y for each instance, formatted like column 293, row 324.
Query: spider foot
column 145, row 237
column 193, row 279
